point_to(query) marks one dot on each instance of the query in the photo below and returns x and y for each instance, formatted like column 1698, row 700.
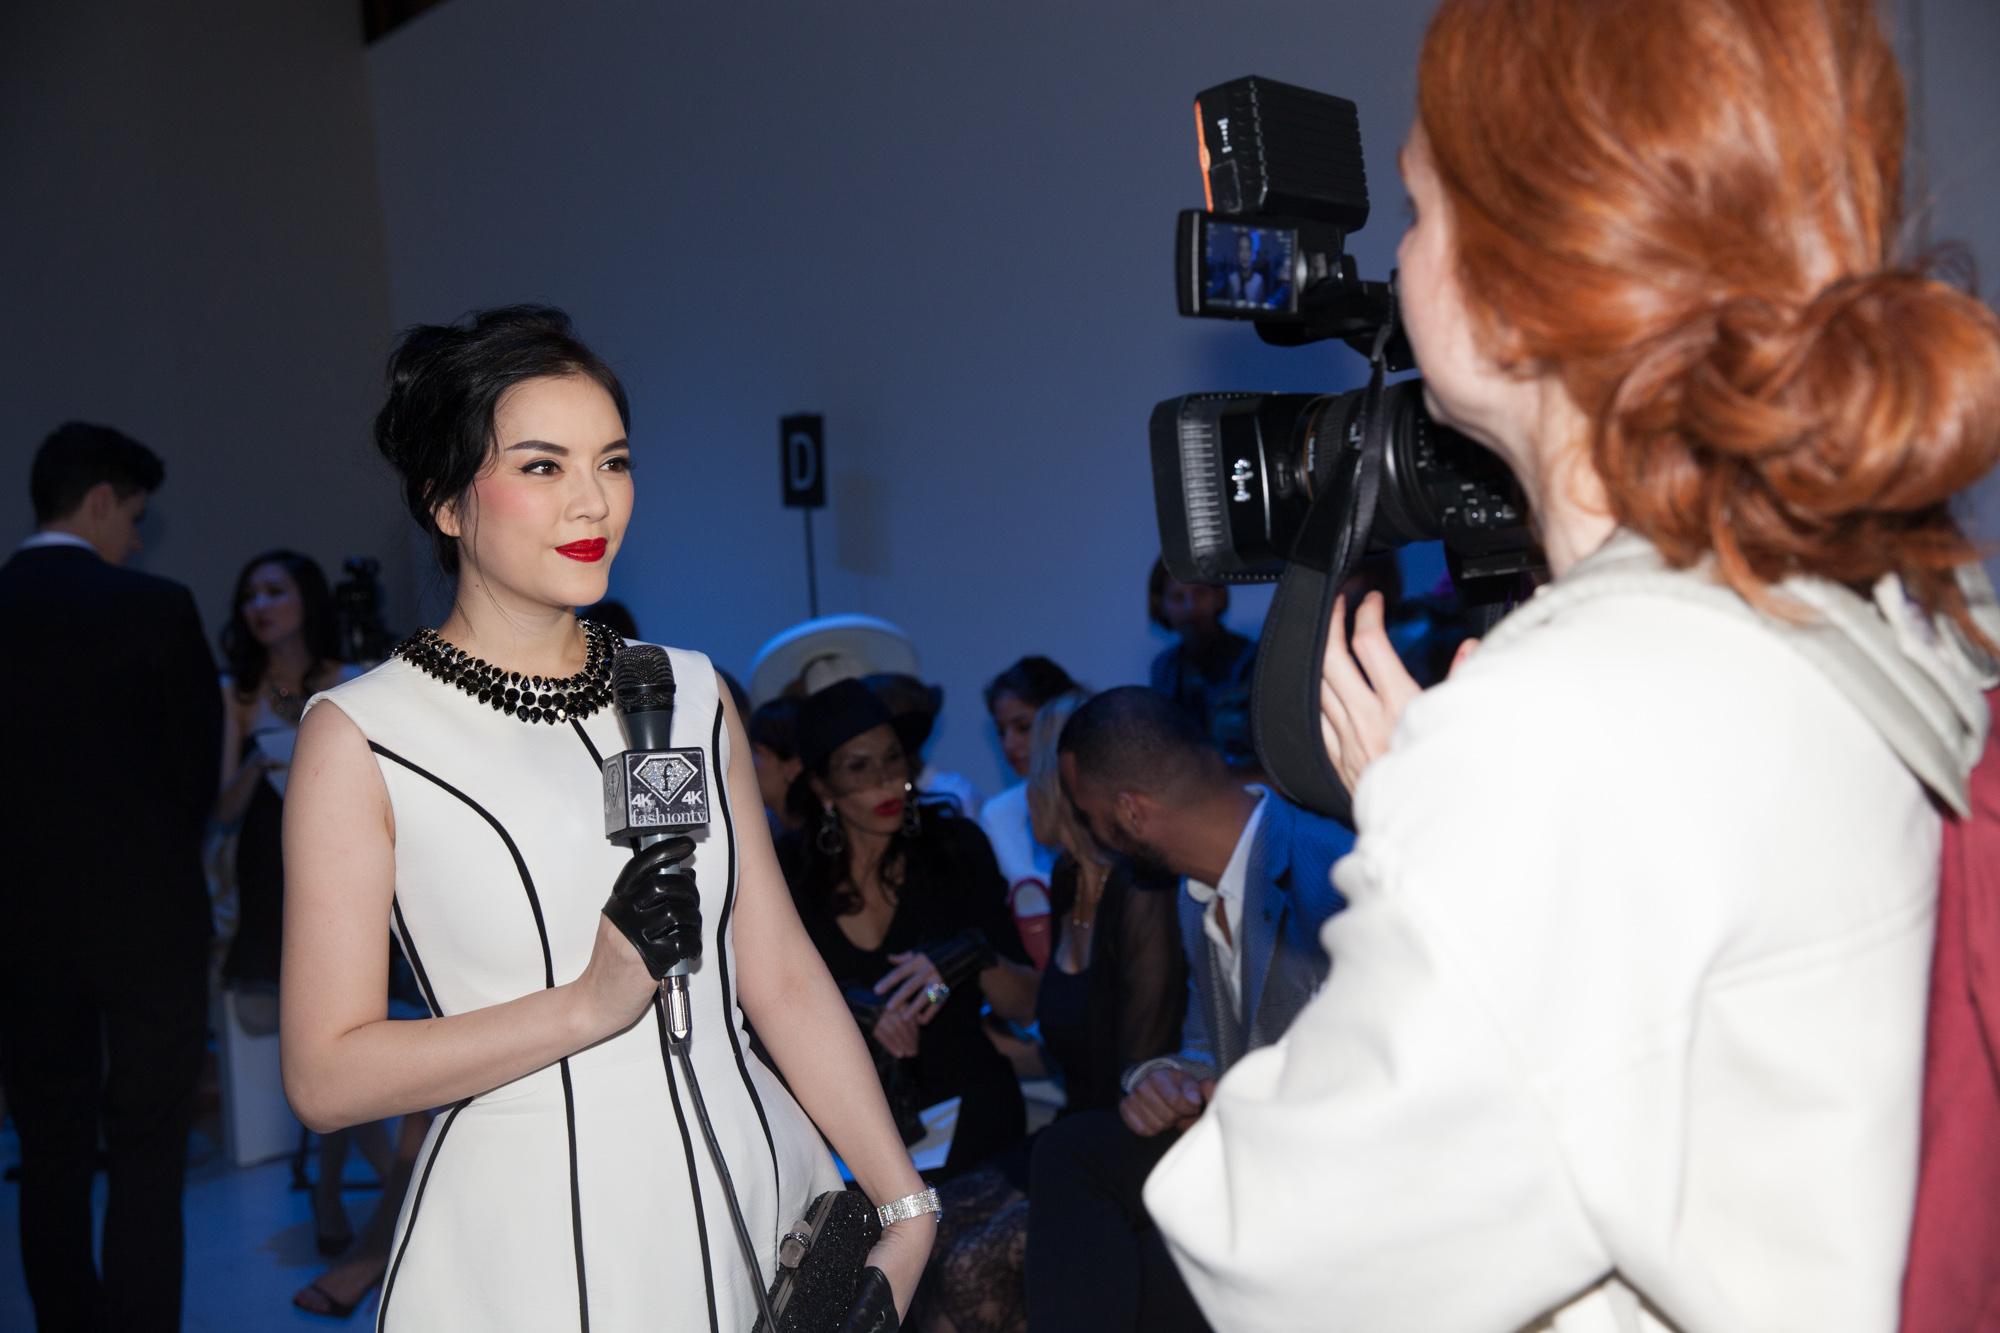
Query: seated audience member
column 915, row 707
column 1145, row 782
column 1113, row 995
column 108, row 763
column 811, row 655
column 1209, row 672
column 775, row 756
column 1012, row 700
column 878, row 877
column 1646, row 890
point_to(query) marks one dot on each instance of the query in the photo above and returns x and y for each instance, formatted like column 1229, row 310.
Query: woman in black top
column 1115, row 990
column 877, row 879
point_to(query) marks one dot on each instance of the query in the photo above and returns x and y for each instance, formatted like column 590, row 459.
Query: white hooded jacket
column 1626, row 1019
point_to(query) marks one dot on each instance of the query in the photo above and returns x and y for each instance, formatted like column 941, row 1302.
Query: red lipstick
column 589, row 551
column 888, row 808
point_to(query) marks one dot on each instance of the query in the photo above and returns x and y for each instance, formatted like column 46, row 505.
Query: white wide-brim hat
column 831, row 648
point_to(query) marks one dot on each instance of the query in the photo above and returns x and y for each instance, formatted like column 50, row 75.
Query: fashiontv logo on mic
column 656, row 789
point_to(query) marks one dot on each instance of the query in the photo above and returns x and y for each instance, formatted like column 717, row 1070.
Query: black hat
column 913, row 704
column 833, row 717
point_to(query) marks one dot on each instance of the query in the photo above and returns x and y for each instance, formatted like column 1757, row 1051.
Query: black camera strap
column 1331, row 543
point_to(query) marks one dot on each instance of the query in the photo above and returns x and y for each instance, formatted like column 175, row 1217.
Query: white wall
column 946, row 227
column 191, row 250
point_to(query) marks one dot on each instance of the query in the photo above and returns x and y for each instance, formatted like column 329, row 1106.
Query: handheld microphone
column 653, row 792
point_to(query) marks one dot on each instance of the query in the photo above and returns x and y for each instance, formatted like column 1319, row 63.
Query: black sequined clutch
column 820, row 1263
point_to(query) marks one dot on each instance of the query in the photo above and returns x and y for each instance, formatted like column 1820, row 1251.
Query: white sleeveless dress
column 581, row 1196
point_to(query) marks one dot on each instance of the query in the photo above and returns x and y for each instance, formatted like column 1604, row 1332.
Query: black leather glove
column 657, row 906
column 874, row 1308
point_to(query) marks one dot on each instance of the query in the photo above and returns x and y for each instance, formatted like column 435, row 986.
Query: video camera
column 1297, row 488
column 358, row 601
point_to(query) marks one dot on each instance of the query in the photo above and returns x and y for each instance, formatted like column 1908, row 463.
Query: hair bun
column 1879, row 398
column 1828, row 437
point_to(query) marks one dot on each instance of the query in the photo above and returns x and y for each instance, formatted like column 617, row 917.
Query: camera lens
column 1235, row 474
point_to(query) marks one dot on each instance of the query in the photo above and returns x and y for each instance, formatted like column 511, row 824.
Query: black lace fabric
column 974, row 1281
column 1138, row 993
column 1138, row 979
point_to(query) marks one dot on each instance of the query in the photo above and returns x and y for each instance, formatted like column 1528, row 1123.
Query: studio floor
column 249, row 1247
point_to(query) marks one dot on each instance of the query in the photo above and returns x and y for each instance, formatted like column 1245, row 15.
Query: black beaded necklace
column 530, row 698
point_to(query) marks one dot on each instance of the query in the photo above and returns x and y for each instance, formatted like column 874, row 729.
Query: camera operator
column 1628, row 1029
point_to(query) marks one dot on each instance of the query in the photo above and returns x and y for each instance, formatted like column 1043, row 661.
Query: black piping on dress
column 416, row 1204
column 721, row 785
column 549, row 981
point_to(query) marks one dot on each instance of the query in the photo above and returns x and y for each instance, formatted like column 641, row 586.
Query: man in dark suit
column 1254, row 892
column 110, row 751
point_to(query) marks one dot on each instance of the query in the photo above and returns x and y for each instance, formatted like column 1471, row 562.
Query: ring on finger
column 937, row 992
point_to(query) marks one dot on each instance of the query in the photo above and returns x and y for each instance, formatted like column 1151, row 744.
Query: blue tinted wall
column 948, row 228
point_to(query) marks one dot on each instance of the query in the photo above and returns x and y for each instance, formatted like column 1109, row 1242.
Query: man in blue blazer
column 1254, row 894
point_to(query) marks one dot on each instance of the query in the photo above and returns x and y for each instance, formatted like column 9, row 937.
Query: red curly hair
column 1689, row 212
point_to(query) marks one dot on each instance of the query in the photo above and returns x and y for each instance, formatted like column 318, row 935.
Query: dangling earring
column 913, row 816
column 832, row 840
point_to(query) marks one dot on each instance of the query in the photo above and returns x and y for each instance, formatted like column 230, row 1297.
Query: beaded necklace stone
column 529, row 698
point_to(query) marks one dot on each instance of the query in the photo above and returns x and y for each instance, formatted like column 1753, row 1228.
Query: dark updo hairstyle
column 1032, row 680
column 445, row 383
column 249, row 659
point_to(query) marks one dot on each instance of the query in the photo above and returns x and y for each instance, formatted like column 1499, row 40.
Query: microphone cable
column 678, row 1030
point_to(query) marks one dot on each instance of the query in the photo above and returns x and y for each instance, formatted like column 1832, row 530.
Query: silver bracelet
column 910, row 1205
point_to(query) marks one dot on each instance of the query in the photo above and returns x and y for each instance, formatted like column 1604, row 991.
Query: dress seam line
column 728, row 992
column 416, row 1206
column 520, row 862
column 584, row 736
column 575, row 1202
column 409, row 947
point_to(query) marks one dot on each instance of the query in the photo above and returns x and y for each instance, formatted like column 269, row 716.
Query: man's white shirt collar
column 54, row 538
column 1229, row 950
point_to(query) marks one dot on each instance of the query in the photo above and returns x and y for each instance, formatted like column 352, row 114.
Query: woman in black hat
column 881, row 881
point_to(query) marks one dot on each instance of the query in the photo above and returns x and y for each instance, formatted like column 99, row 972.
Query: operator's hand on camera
column 1165, row 1099
column 1358, row 712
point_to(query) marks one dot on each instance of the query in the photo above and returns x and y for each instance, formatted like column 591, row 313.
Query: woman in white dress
column 454, row 794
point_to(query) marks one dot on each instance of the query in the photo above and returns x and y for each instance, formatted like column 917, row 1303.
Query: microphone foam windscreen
column 642, row 677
